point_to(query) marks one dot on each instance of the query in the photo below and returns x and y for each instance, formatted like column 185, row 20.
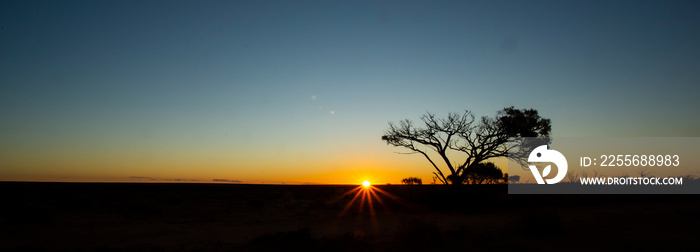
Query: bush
column 485, row 173
column 412, row 181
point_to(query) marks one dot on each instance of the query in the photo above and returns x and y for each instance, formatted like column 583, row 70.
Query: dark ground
column 229, row 217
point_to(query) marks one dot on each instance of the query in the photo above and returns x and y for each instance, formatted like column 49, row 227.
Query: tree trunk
column 456, row 180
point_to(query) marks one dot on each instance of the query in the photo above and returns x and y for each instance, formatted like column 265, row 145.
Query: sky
column 302, row 91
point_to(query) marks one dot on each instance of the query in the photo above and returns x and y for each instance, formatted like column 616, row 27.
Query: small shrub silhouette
column 412, row 181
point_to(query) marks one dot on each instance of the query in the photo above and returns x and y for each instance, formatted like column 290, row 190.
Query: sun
column 366, row 194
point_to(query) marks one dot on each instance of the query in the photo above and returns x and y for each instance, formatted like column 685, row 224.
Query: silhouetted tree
column 412, row 181
column 484, row 173
column 480, row 140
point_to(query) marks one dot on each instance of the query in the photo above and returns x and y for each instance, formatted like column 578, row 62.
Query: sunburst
column 369, row 194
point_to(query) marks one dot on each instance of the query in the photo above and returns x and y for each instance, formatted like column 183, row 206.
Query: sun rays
column 367, row 195
column 362, row 202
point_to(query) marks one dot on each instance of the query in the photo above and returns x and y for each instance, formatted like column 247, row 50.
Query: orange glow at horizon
column 113, row 159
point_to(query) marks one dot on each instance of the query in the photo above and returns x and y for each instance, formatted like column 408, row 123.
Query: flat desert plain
column 240, row 217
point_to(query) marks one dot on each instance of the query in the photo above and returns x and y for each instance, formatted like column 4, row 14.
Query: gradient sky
column 301, row 91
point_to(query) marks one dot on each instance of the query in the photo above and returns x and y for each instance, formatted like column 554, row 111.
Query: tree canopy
column 485, row 173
